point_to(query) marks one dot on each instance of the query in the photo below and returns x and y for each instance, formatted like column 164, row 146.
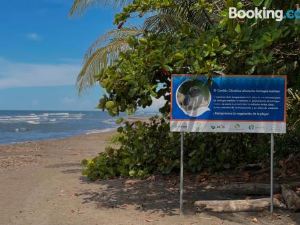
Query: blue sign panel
column 253, row 104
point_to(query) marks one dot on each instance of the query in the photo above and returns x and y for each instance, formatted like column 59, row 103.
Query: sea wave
column 33, row 122
column 110, row 122
column 44, row 118
column 20, row 126
column 95, row 131
column 21, row 129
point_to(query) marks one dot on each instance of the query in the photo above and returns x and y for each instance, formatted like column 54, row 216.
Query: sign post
column 181, row 173
column 228, row 104
column 272, row 174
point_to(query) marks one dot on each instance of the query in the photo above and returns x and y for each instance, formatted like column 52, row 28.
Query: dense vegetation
column 186, row 36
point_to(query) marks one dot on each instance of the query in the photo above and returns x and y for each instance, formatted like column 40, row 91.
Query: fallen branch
column 249, row 205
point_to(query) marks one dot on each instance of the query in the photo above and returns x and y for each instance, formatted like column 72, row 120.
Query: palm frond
column 173, row 18
column 169, row 23
column 162, row 23
column 102, row 54
column 107, row 48
column 111, row 36
column 80, row 6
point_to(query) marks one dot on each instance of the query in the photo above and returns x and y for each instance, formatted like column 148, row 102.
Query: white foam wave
column 110, row 121
column 100, row 131
column 58, row 114
column 32, row 122
column 22, row 129
column 41, row 118
column 5, row 118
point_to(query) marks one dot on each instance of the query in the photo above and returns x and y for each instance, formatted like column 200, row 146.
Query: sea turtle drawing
column 193, row 96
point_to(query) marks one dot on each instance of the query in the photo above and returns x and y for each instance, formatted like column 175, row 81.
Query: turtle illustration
column 193, row 95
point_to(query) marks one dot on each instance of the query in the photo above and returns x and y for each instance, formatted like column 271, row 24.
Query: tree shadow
column 160, row 195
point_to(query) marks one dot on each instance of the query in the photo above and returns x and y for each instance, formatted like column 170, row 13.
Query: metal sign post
column 272, row 173
column 181, row 173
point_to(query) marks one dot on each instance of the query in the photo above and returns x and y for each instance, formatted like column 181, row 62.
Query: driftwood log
column 290, row 197
column 248, row 205
column 248, row 188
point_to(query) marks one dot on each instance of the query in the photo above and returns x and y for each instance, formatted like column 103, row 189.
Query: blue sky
column 41, row 52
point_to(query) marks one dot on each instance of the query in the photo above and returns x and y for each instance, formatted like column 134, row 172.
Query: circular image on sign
column 193, row 97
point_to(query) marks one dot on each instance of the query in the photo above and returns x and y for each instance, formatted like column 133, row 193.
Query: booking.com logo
column 264, row 13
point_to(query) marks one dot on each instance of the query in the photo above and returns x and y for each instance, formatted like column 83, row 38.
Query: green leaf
column 216, row 43
column 167, row 68
column 109, row 105
column 239, row 5
column 119, row 120
column 132, row 173
column 178, row 56
column 226, row 52
column 268, row 3
column 258, row 2
column 238, row 28
column 143, row 41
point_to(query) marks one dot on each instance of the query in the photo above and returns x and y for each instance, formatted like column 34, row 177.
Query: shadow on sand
column 162, row 196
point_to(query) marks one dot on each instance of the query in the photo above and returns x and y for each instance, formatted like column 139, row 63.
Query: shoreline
column 89, row 132
column 14, row 155
column 79, row 133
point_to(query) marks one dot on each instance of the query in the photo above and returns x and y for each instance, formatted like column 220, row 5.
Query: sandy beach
column 41, row 184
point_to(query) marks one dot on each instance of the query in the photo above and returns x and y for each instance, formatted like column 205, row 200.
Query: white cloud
column 33, row 37
column 16, row 74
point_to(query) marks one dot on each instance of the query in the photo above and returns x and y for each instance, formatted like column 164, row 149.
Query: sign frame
column 280, row 125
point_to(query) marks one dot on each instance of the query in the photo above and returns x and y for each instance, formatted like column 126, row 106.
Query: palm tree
column 80, row 6
column 102, row 54
column 107, row 48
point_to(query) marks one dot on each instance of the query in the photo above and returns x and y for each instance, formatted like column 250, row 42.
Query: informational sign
column 235, row 103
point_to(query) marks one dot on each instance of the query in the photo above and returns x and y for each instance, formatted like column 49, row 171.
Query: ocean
column 22, row 126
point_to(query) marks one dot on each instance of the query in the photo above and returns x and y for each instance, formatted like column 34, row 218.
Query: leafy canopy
column 246, row 46
column 188, row 36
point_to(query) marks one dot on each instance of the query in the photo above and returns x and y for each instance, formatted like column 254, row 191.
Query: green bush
column 146, row 148
column 149, row 148
column 290, row 143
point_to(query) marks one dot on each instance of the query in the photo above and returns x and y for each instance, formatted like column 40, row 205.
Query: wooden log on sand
column 290, row 197
column 248, row 205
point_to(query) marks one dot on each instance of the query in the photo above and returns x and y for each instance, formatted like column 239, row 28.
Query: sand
column 41, row 184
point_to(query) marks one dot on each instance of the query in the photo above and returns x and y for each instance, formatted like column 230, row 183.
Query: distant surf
column 20, row 126
column 100, row 131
